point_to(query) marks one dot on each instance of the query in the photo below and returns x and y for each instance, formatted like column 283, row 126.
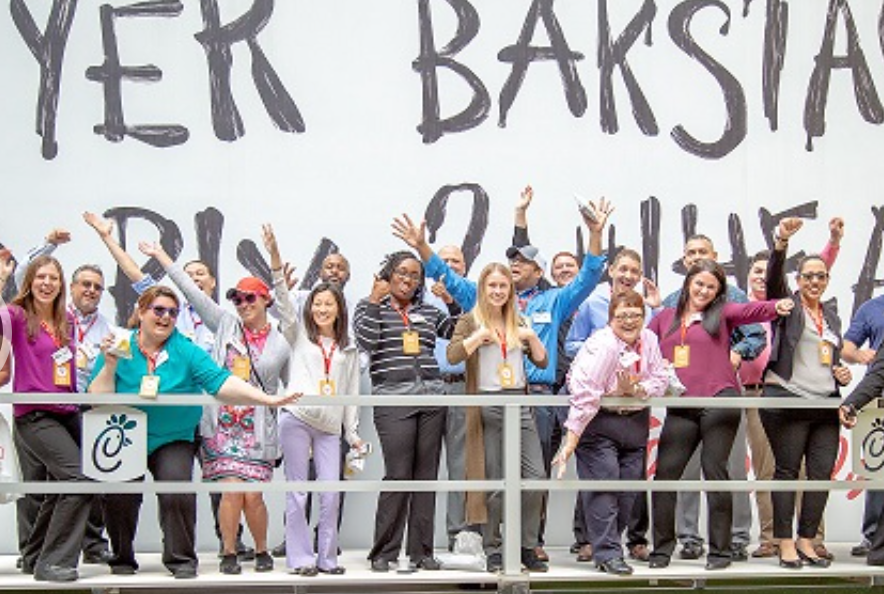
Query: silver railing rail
column 512, row 483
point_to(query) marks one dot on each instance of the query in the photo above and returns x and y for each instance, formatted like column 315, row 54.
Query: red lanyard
column 684, row 330
column 82, row 332
column 151, row 359
column 638, row 351
column 502, row 337
column 194, row 319
column 403, row 315
column 55, row 340
column 327, row 357
column 817, row 321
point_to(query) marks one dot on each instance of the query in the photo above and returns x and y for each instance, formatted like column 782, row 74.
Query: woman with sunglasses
column 163, row 361
column 804, row 363
column 493, row 340
column 240, row 443
column 41, row 334
column 695, row 336
column 398, row 332
column 622, row 359
column 325, row 361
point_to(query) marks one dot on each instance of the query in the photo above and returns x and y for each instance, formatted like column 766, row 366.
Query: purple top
column 709, row 369
column 33, row 363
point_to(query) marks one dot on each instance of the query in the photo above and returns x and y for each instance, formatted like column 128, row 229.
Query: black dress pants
column 177, row 511
column 51, row 442
column 411, row 440
column 683, row 431
column 797, row 435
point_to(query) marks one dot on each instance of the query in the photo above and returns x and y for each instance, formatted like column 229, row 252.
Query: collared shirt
column 89, row 331
column 546, row 309
column 594, row 372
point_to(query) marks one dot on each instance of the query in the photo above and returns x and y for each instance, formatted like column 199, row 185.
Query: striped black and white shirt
column 379, row 329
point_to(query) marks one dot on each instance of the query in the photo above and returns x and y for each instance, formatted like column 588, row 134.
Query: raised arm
column 289, row 322
column 105, row 228
column 210, row 312
column 777, row 287
column 830, row 251
column 53, row 239
column 520, row 229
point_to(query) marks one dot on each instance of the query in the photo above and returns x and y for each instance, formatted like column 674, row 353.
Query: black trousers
column 51, row 443
column 684, row 430
column 797, row 435
column 170, row 462
column 411, row 440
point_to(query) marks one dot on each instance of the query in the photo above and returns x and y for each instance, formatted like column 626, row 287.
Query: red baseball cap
column 250, row 284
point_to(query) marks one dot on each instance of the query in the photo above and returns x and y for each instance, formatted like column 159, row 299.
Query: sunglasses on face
column 241, row 298
column 90, row 286
column 161, row 311
column 809, row 276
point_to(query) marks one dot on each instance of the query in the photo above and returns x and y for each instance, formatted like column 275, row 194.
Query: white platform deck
column 564, row 569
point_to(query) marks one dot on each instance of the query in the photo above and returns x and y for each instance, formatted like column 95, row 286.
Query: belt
column 453, row 378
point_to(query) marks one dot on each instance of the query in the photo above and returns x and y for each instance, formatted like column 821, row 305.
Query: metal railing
column 512, row 483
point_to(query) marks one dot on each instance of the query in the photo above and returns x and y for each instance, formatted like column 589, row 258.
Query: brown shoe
column 766, row 549
column 541, row 554
column 639, row 552
column 822, row 552
column 584, row 555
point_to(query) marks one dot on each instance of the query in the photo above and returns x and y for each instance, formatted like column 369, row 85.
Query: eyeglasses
column 405, row 275
column 820, row 276
column 241, row 298
column 91, row 286
column 161, row 311
column 629, row 317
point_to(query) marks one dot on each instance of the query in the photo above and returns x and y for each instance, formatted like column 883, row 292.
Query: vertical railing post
column 512, row 480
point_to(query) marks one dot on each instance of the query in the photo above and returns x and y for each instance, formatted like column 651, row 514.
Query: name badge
column 327, row 387
column 831, row 337
column 826, row 351
column 242, row 368
column 411, row 344
column 541, row 317
column 61, row 373
column 150, row 386
column 506, row 375
column 682, row 356
column 82, row 360
column 62, row 355
column 417, row 318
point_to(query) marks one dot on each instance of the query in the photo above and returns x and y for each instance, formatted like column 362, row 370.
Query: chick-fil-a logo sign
column 114, row 443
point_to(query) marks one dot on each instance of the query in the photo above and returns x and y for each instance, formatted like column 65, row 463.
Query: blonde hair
column 482, row 312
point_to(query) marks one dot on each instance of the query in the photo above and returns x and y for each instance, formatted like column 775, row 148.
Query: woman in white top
column 324, row 361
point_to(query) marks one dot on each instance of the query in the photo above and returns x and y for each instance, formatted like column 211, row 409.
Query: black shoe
column 306, row 571
column 715, row 563
column 739, row 552
column 100, row 557
column 279, row 550
column 532, row 563
column 333, row 570
column 56, row 573
column 639, row 552
column 494, row 563
column 658, row 561
column 184, row 573
column 263, row 562
column 615, row 566
column 230, row 565
column 860, row 550
column 791, row 563
column 21, row 561
column 813, row 561
column 428, row 563
column 244, row 552
column 691, row 551
column 380, row 565
column 575, row 548
column 123, row 570
column 25, row 567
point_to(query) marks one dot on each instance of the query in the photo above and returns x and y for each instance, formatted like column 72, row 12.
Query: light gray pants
column 687, row 511
column 532, row 469
column 455, row 462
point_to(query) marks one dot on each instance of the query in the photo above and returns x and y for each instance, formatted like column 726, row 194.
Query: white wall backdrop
column 737, row 94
